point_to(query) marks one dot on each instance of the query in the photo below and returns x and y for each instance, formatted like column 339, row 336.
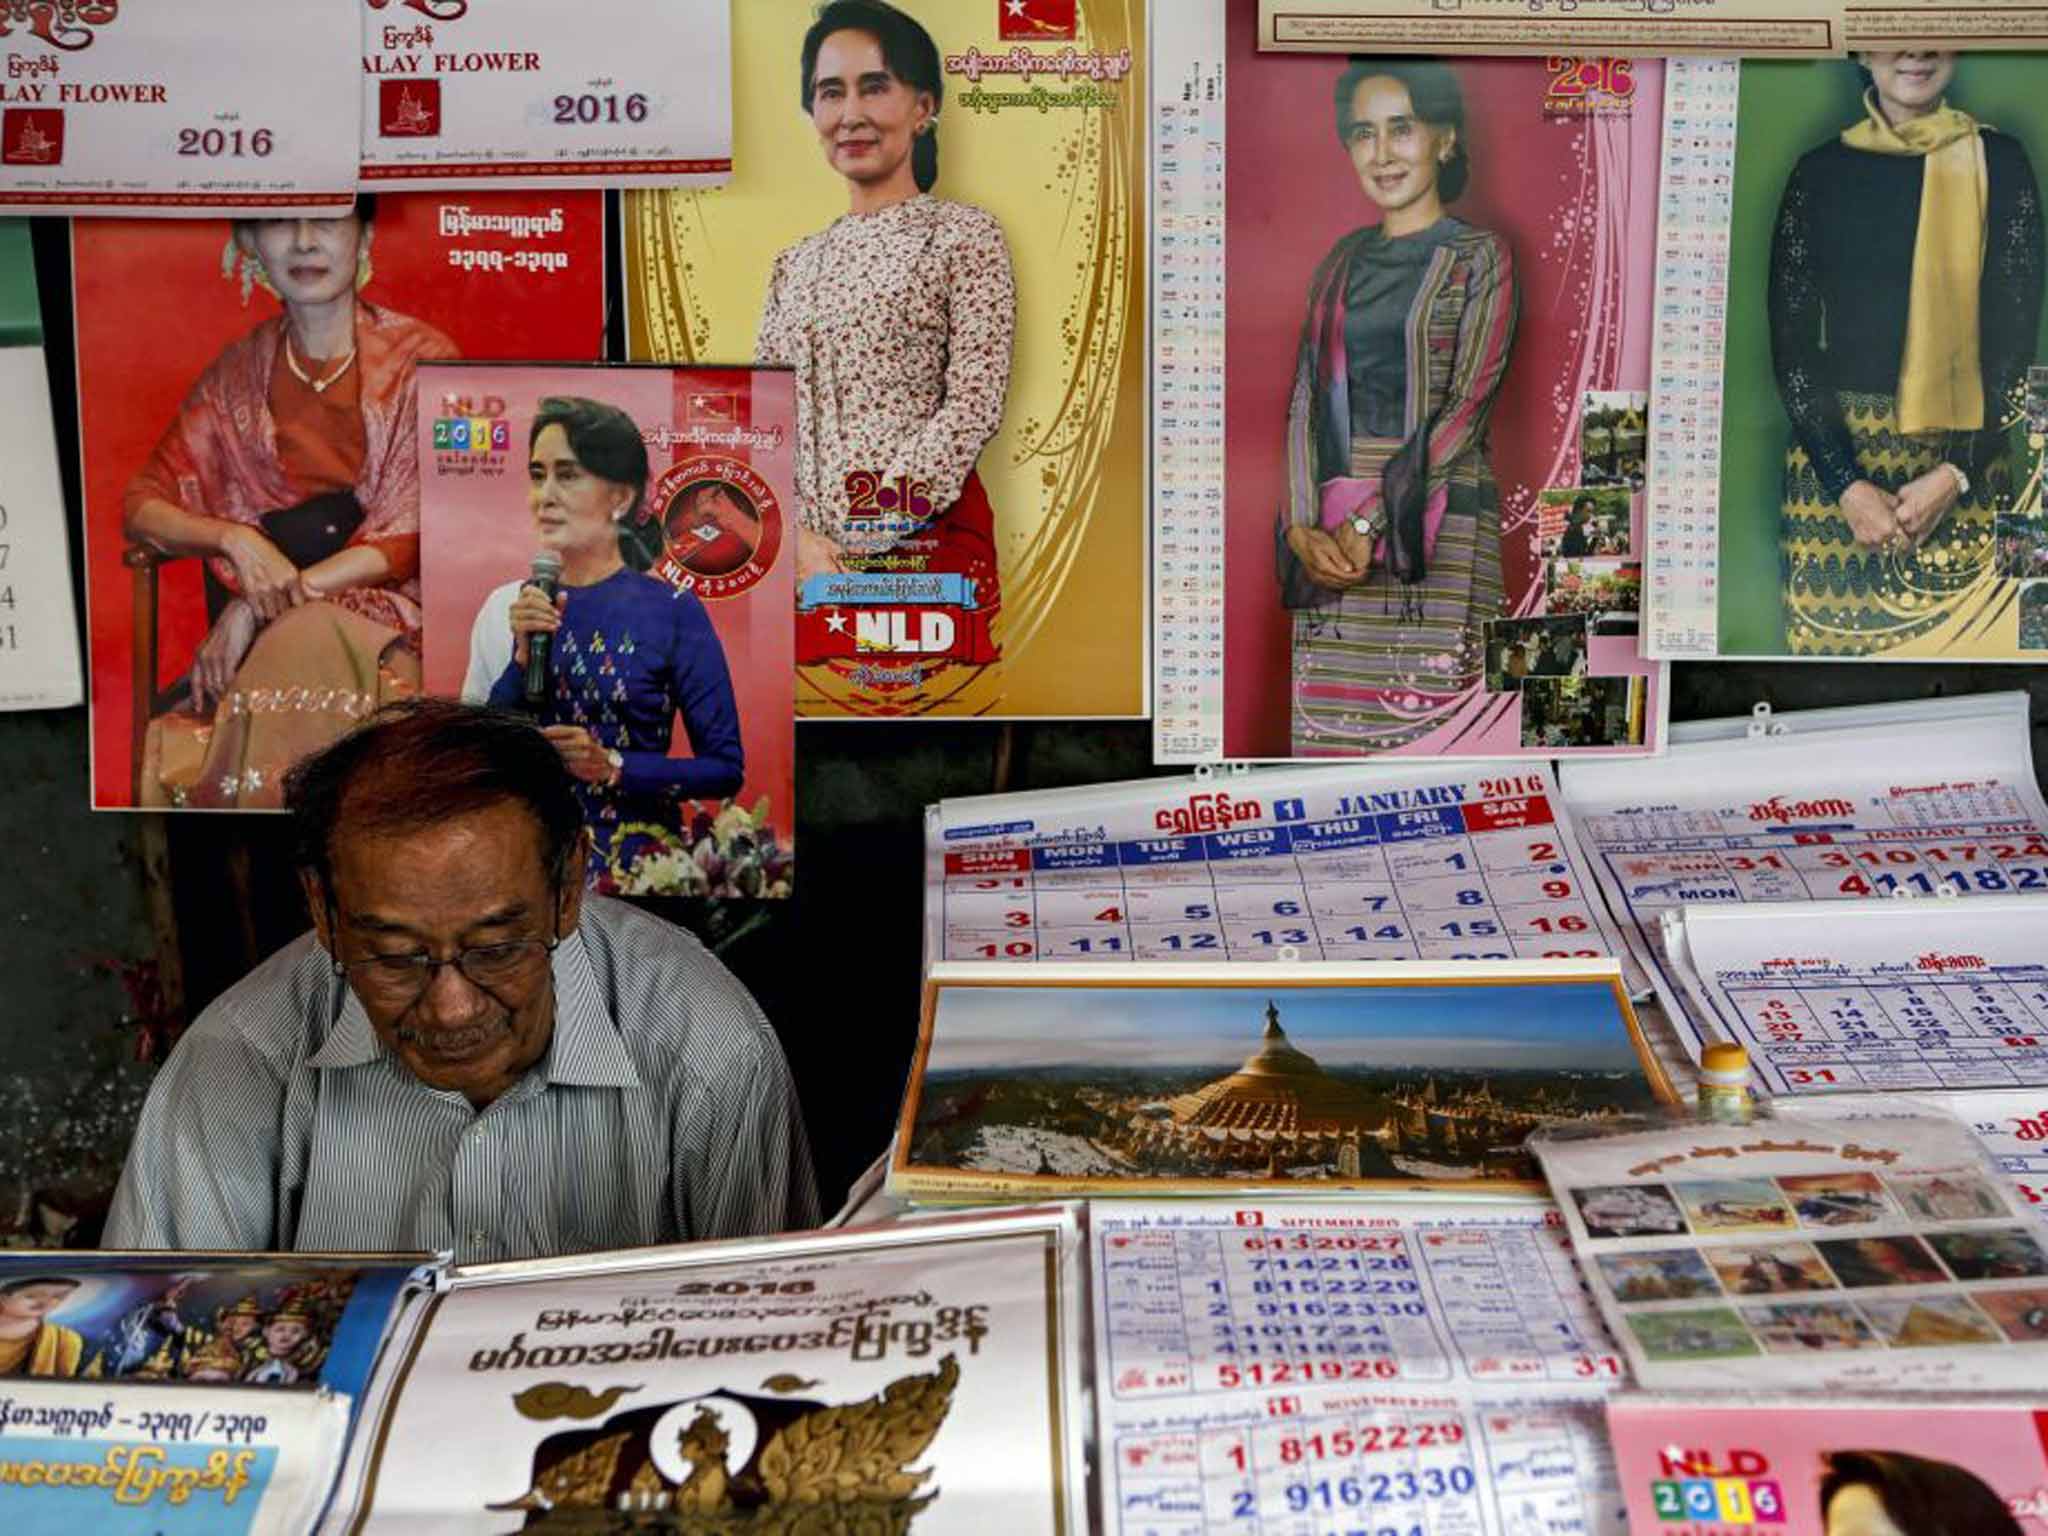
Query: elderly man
column 465, row 1053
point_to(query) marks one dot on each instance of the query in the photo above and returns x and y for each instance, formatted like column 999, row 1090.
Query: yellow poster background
column 1067, row 472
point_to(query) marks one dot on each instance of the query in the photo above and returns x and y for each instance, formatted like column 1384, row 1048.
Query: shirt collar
column 587, row 1050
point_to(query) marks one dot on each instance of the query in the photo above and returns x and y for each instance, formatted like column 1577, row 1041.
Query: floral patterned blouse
column 899, row 325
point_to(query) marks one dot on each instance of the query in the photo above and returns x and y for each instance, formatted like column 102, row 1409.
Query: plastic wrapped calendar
column 1925, row 799
column 1280, row 1367
column 1830, row 997
column 1851, row 1251
column 1380, row 863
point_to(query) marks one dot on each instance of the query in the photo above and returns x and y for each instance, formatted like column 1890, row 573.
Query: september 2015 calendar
column 1305, row 864
column 1269, row 1368
column 1882, row 995
column 1924, row 800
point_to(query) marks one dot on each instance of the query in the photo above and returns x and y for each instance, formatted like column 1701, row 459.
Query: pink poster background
column 153, row 311
column 480, row 535
column 1575, row 196
column 2005, row 1445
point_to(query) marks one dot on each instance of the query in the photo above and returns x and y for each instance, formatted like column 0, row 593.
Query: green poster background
column 21, row 315
column 1784, row 110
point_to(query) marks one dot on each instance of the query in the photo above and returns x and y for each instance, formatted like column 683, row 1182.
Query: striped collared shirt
column 662, row 1112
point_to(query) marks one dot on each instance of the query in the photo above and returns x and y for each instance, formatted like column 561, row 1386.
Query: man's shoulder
column 667, row 992
column 276, row 1011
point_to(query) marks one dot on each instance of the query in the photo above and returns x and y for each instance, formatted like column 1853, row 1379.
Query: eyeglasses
column 400, row 978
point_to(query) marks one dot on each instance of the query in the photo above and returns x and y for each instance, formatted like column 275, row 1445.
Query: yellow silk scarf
column 1941, row 382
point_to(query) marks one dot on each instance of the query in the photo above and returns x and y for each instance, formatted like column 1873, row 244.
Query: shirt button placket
column 477, row 1189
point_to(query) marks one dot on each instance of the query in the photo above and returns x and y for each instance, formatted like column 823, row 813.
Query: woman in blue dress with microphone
column 621, row 654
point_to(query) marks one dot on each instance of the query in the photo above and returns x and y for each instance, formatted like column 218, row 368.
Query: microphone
column 547, row 575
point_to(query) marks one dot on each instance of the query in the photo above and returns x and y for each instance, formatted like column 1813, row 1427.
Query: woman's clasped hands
column 1879, row 519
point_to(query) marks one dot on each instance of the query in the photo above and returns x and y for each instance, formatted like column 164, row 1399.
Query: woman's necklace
column 320, row 386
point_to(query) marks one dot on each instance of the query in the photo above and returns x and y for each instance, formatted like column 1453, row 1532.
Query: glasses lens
column 391, row 975
column 497, row 963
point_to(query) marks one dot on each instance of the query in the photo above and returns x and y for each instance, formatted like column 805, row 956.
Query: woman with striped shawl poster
column 1390, row 539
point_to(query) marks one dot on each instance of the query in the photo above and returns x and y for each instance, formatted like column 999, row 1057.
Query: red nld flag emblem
column 409, row 109
column 1027, row 21
column 32, row 136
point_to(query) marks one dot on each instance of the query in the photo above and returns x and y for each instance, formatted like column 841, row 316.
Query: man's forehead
column 458, row 867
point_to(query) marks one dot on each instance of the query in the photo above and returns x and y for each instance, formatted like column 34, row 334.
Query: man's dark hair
column 908, row 50
column 420, row 761
column 1434, row 94
column 1920, row 1497
column 9, row 1287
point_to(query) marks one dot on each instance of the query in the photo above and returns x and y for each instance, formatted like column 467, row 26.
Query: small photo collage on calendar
column 1589, row 552
column 1807, row 1264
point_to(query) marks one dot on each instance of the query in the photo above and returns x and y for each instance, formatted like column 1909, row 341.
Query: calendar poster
column 662, row 495
column 1165, row 1079
column 147, row 111
column 164, row 1460
column 970, row 352
column 1930, row 800
column 1270, row 1365
column 919, row 1378
column 1508, row 240
column 512, row 94
column 1836, row 490
column 1843, row 1252
column 2013, row 1127
column 1408, row 862
column 1891, row 996
column 247, row 405
column 1796, row 1467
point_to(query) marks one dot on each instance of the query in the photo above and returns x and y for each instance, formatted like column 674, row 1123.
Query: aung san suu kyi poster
column 607, row 550
column 1436, row 297
column 247, row 408
column 936, row 220
column 1883, row 401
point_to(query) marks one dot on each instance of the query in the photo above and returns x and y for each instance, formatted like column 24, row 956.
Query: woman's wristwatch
column 1962, row 480
column 1370, row 527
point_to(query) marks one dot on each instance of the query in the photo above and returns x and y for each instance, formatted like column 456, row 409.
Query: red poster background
column 1291, row 193
column 153, row 310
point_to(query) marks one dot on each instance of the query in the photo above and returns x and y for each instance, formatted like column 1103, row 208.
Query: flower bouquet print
column 1877, row 1251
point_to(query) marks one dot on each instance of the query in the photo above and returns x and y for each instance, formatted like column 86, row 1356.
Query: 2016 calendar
column 2013, row 1127
column 1304, row 864
column 1892, row 995
column 1269, row 1367
column 1836, row 1248
column 1935, row 799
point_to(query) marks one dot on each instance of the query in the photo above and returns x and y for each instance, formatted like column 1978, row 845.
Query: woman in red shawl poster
column 279, row 459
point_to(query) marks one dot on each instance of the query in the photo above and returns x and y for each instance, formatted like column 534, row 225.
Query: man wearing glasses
column 465, row 1053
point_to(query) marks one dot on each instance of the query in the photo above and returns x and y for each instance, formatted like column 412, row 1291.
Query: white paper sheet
column 1847, row 804
column 1377, row 863
column 155, row 110
column 1895, row 996
column 39, row 667
column 521, row 93
column 1841, row 1251
column 78, row 1456
column 933, row 1366
column 1275, row 1367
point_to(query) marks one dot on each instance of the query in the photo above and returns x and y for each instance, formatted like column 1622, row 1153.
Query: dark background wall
column 115, row 928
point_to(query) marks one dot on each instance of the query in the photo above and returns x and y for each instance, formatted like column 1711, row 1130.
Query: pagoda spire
column 1273, row 1029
